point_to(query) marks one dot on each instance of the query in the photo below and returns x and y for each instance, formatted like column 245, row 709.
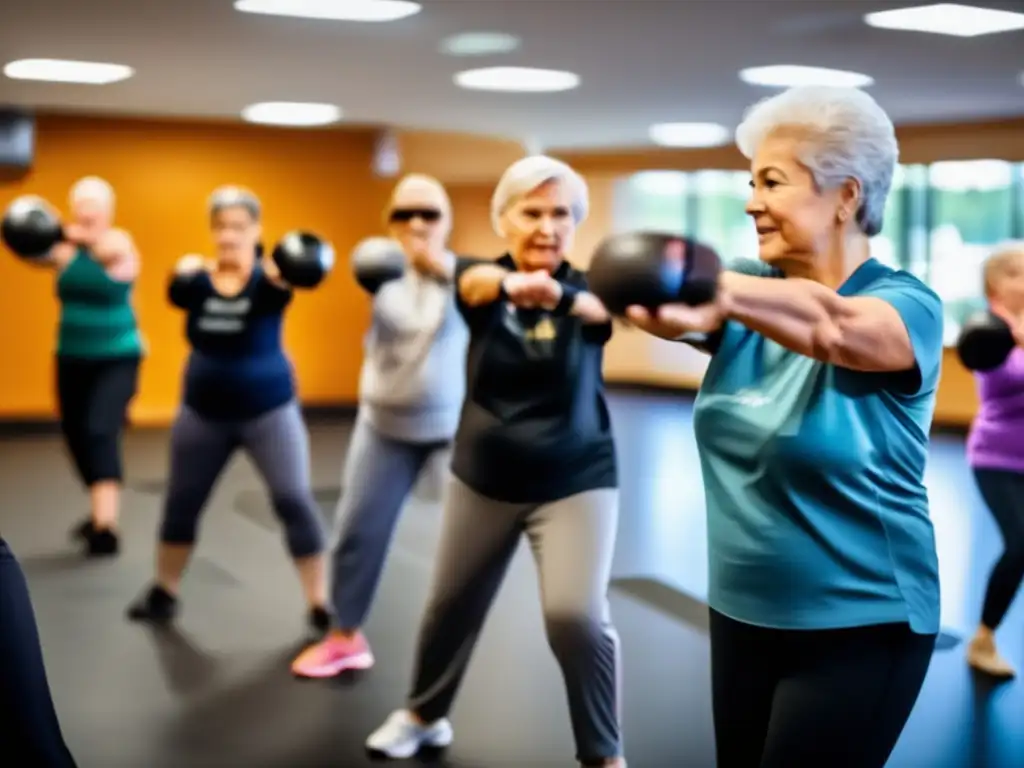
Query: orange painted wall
column 163, row 173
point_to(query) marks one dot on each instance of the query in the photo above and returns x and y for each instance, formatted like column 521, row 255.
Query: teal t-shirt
column 97, row 320
column 814, row 475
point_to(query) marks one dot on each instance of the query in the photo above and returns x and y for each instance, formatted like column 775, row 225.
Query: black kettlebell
column 31, row 227
column 649, row 269
column 376, row 261
column 303, row 259
column 985, row 342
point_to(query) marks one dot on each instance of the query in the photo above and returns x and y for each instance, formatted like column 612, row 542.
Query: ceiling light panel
column 64, row 71
column 333, row 10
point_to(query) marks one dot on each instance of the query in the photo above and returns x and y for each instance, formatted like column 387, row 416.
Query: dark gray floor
column 218, row 693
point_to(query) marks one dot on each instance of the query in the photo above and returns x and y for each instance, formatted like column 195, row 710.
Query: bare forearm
column 481, row 284
column 57, row 257
column 589, row 309
column 863, row 333
column 801, row 315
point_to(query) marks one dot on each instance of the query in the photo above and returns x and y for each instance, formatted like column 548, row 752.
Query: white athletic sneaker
column 402, row 737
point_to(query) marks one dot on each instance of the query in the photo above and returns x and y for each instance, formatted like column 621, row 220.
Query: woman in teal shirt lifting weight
column 812, row 426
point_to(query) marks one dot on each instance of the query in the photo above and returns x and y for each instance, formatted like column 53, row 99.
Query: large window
column 941, row 220
column 654, row 200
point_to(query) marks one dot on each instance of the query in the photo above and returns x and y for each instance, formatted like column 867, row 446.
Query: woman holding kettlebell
column 534, row 458
column 995, row 449
column 99, row 346
column 411, row 389
column 812, row 425
column 239, row 392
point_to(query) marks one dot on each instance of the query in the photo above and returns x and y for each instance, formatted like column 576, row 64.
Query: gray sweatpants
column 278, row 444
column 380, row 473
column 573, row 540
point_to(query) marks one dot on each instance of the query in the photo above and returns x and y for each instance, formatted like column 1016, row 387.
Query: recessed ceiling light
column 947, row 19
column 517, row 79
column 792, row 75
column 291, row 113
column 334, row 10
column 690, row 134
column 62, row 71
column 479, row 43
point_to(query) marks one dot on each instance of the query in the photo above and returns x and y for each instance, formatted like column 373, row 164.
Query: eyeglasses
column 404, row 215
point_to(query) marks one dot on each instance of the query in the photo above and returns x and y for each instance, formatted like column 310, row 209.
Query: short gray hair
column 849, row 136
column 92, row 188
column 524, row 176
column 234, row 197
column 1002, row 259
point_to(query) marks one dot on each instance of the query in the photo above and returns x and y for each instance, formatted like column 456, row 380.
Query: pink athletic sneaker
column 332, row 656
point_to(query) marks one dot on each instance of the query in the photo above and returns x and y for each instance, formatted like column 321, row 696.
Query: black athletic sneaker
column 157, row 606
column 98, row 542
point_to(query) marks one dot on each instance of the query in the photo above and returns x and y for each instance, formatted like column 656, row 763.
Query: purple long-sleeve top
column 996, row 440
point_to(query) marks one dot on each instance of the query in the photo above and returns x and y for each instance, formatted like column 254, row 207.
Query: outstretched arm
column 481, row 284
column 116, row 252
column 181, row 289
column 57, row 257
column 588, row 308
column 863, row 333
column 273, row 273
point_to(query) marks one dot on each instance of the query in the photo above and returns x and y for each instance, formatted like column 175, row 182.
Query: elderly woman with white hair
column 99, row 350
column 412, row 384
column 534, row 456
column 812, row 426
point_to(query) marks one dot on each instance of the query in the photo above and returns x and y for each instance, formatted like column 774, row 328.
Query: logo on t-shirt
column 752, row 398
column 536, row 329
column 224, row 316
column 544, row 330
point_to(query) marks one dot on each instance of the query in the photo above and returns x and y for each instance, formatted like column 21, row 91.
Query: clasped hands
column 193, row 263
column 532, row 290
column 109, row 245
column 421, row 250
column 670, row 321
column 190, row 264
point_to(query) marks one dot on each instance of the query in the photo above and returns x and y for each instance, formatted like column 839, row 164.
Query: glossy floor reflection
column 217, row 692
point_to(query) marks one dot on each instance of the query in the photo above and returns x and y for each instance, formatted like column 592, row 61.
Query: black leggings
column 94, row 397
column 813, row 698
column 1003, row 491
column 29, row 730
